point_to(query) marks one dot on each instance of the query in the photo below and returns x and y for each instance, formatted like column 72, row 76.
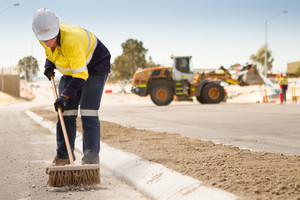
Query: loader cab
column 183, row 65
column 183, row 74
column 183, row 68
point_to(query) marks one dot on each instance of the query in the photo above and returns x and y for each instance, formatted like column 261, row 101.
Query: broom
column 68, row 175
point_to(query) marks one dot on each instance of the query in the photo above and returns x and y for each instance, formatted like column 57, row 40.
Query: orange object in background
column 280, row 94
column 278, row 76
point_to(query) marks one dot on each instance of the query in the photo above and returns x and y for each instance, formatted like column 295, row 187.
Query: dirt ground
column 6, row 99
column 248, row 174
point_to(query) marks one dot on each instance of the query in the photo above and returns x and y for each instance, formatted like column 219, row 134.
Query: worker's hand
column 49, row 71
column 60, row 102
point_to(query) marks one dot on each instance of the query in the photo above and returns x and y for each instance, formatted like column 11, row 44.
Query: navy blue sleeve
column 73, row 87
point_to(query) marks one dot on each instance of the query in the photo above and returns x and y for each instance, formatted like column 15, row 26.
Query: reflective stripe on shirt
column 89, row 38
column 78, row 70
column 92, row 53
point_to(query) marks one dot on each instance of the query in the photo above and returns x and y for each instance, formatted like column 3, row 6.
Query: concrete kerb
column 152, row 179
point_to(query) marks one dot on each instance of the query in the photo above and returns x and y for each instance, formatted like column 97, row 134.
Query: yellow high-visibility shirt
column 74, row 51
column 283, row 81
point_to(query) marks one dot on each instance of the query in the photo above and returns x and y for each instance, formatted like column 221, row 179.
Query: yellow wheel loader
column 164, row 84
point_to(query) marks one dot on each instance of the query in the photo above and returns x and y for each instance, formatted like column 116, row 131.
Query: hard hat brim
column 42, row 36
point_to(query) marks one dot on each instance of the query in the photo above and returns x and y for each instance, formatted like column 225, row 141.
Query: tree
column 151, row 63
column 260, row 58
column 132, row 58
column 29, row 67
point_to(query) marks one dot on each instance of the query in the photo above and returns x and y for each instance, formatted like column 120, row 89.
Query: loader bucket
column 249, row 75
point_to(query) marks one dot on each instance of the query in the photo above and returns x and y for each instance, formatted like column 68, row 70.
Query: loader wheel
column 161, row 94
column 212, row 93
column 199, row 99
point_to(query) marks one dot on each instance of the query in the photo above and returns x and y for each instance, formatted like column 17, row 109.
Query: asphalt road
column 27, row 149
column 266, row 127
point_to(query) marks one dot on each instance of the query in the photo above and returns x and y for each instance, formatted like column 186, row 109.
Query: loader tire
column 199, row 99
column 212, row 93
column 161, row 94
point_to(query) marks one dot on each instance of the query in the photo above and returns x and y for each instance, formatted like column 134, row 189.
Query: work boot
column 60, row 161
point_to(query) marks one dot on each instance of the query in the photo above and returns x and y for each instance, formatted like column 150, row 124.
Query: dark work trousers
column 89, row 103
column 284, row 89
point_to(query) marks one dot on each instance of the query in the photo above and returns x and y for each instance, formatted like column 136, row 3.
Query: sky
column 214, row 32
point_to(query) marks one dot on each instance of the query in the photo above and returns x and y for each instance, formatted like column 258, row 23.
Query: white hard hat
column 45, row 24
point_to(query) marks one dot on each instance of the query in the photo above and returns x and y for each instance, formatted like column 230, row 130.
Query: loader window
column 156, row 72
column 183, row 65
column 167, row 72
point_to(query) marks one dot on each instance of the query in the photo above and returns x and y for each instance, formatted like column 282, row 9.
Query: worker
column 84, row 63
column 284, row 86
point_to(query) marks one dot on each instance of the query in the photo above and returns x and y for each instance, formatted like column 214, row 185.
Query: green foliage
column 298, row 71
column 28, row 67
column 132, row 58
column 260, row 58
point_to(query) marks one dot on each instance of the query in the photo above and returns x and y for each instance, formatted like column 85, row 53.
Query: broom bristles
column 73, row 175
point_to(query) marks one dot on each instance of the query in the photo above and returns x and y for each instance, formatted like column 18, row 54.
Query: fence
column 10, row 81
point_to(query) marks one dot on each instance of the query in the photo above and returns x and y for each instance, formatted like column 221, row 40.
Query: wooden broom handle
column 63, row 126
